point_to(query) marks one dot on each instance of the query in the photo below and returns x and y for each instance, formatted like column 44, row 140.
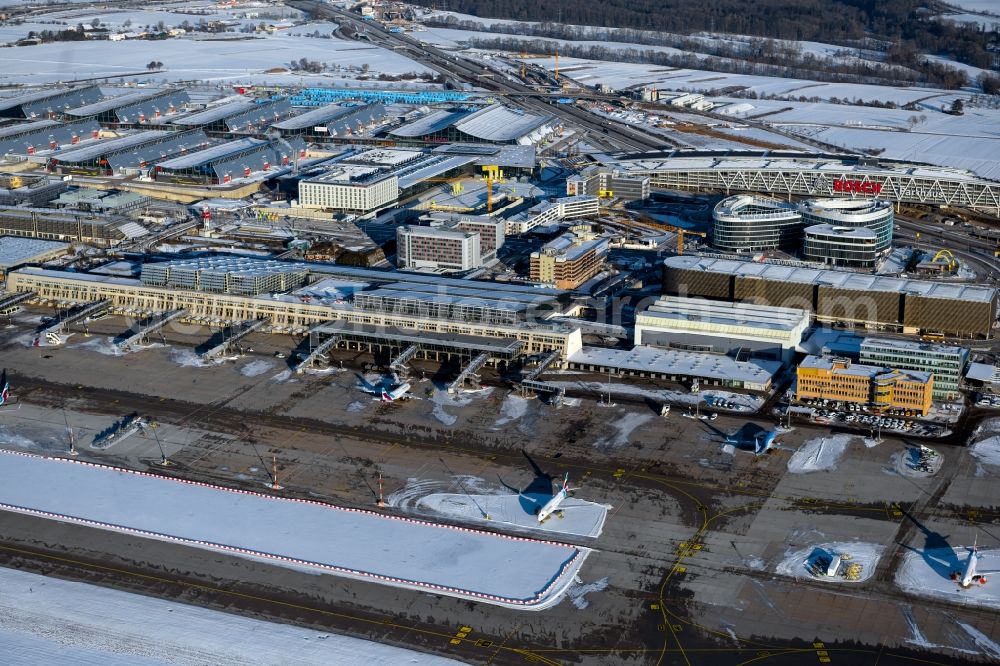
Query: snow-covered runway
column 459, row 562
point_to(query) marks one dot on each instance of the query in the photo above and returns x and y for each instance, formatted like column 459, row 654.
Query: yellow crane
column 493, row 174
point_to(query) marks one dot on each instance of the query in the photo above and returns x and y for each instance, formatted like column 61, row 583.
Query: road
column 459, row 68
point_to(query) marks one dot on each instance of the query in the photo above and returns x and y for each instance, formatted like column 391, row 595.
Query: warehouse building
column 231, row 160
column 841, row 246
column 45, row 223
column 34, row 137
column 747, row 223
column 242, row 115
column 700, row 325
column 571, row 259
column 839, row 379
column 946, row 363
column 135, row 151
column 334, row 121
column 840, row 297
column 678, row 366
column 136, row 108
column 350, row 188
column 437, row 248
column 50, row 103
column 493, row 124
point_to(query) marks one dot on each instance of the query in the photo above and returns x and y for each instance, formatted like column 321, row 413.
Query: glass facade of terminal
column 873, row 214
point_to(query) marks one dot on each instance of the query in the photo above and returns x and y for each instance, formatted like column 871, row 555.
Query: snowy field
column 187, row 60
column 50, row 621
column 820, row 454
column 802, row 563
column 468, row 564
column 927, row 573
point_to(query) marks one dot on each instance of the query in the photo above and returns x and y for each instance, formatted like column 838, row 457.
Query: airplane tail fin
column 4, row 388
column 386, row 396
column 566, row 483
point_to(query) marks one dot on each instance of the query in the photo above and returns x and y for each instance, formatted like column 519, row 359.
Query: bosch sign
column 856, row 186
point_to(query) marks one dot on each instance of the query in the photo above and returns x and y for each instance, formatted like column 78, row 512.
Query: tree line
column 911, row 24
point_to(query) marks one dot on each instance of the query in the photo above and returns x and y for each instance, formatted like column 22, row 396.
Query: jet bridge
column 398, row 366
column 70, row 317
column 9, row 302
column 150, row 325
column 469, row 372
column 234, row 334
column 320, row 350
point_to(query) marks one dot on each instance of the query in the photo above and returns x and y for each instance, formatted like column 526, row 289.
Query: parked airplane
column 385, row 391
column 552, row 505
column 970, row 574
column 764, row 442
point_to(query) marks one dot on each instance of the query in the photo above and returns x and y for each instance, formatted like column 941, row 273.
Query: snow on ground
column 578, row 592
column 801, row 563
column 988, row 646
column 52, row 621
column 906, row 463
column 189, row 359
column 442, row 399
column 820, row 454
column 927, row 573
column 255, row 368
column 107, row 346
column 187, row 59
column 623, row 427
column 315, row 537
column 514, row 407
column 987, row 450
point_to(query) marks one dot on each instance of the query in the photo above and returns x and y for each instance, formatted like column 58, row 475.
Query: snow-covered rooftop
column 16, row 250
column 680, row 363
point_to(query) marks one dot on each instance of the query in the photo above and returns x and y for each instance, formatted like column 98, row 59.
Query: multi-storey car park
column 60, row 225
column 788, row 173
column 840, row 297
column 745, row 223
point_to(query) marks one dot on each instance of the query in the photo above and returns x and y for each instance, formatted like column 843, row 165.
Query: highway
column 458, row 68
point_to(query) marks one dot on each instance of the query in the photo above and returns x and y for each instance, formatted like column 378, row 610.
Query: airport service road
column 459, row 562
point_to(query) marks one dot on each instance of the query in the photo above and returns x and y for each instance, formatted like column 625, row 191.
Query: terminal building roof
column 831, row 278
column 213, row 154
column 675, row 362
column 15, row 250
column 680, row 309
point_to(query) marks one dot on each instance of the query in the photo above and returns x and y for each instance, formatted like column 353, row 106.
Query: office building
column 841, row 246
column 840, row 379
column 569, row 260
column 350, row 188
column 437, row 248
column 746, row 223
column 945, row 362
